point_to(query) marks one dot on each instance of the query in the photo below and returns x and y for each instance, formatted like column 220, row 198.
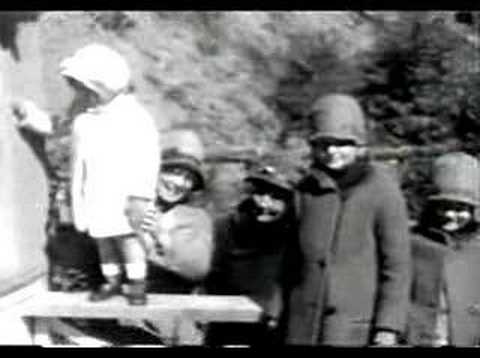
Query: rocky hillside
column 247, row 78
column 217, row 72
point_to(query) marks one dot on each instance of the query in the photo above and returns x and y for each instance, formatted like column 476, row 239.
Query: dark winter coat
column 438, row 263
column 356, row 259
column 249, row 258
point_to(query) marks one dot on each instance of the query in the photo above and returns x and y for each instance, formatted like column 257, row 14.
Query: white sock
column 109, row 270
column 136, row 271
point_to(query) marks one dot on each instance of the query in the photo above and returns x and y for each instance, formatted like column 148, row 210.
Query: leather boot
column 112, row 287
column 135, row 293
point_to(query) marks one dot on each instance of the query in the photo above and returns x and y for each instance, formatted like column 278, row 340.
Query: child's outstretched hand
column 29, row 116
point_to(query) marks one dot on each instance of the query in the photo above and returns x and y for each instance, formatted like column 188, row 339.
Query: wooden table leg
column 41, row 331
column 189, row 332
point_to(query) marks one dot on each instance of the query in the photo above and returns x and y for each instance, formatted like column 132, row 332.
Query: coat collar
column 433, row 234
column 320, row 180
column 453, row 241
column 323, row 180
column 110, row 106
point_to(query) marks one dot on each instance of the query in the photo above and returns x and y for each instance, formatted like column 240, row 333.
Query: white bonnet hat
column 99, row 68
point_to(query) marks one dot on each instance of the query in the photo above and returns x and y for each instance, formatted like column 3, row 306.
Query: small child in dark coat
column 249, row 257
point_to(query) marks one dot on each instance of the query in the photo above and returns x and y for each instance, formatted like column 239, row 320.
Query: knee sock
column 136, row 271
column 111, row 271
column 135, row 258
column 109, row 258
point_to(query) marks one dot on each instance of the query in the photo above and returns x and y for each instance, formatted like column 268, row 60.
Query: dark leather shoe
column 136, row 293
column 106, row 290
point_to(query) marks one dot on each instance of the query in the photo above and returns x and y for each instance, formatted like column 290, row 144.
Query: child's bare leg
column 110, row 265
column 135, row 268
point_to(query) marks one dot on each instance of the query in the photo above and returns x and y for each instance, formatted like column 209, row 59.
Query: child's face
column 335, row 154
column 453, row 215
column 175, row 184
column 270, row 205
column 83, row 97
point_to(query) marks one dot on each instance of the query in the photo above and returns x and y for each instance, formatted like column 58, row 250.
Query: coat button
column 329, row 310
column 322, row 263
column 474, row 309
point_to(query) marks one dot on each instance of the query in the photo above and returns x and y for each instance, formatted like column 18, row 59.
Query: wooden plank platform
column 199, row 308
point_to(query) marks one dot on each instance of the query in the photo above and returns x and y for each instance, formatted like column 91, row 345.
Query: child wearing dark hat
column 178, row 235
column 446, row 258
column 353, row 237
column 250, row 255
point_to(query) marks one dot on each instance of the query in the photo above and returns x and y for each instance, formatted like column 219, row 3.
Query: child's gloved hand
column 154, row 236
column 135, row 211
column 151, row 222
column 156, row 227
column 29, row 116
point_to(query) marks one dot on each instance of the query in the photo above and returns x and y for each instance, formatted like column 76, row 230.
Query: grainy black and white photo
column 240, row 178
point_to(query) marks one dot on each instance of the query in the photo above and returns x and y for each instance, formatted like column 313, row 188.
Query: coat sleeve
column 78, row 175
column 221, row 229
column 38, row 144
column 144, row 158
column 191, row 248
column 291, row 268
column 394, row 261
column 427, row 280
